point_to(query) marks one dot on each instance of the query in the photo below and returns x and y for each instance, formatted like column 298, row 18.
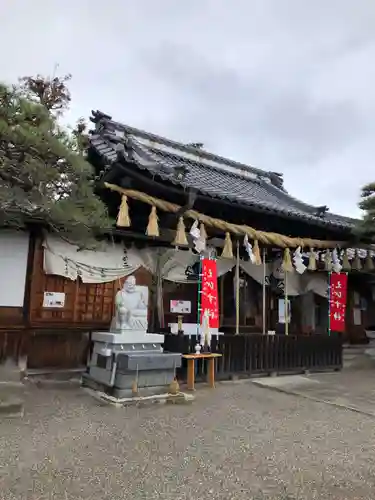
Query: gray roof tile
column 208, row 173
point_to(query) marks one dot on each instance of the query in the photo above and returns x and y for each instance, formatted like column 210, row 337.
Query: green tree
column 367, row 225
column 43, row 171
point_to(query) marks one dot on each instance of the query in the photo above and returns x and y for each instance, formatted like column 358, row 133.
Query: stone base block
column 125, row 391
column 141, row 401
column 127, row 337
column 11, row 408
column 146, row 379
column 125, row 379
column 142, row 391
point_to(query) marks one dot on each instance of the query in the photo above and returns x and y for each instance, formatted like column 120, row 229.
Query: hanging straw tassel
column 312, row 261
column 345, row 262
column 203, row 232
column 369, row 264
column 357, row 264
column 227, row 252
column 153, row 226
column 256, row 253
column 123, row 219
column 180, row 239
column 287, row 265
column 328, row 261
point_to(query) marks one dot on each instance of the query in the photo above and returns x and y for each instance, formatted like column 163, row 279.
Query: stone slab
column 151, row 390
column 287, row 381
column 125, row 390
column 146, row 378
column 127, row 337
column 350, row 389
column 124, row 380
column 165, row 398
column 99, row 375
column 148, row 361
column 11, row 408
column 10, row 371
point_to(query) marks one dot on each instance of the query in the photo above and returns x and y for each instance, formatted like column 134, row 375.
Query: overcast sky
column 283, row 85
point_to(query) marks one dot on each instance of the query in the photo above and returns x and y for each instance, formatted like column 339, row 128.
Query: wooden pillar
column 308, row 312
column 31, row 271
column 222, row 279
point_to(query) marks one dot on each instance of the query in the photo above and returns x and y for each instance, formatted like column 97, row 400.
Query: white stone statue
column 131, row 307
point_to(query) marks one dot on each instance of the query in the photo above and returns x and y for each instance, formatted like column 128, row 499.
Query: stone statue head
column 129, row 284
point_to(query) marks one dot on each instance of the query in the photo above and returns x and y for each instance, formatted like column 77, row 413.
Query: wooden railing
column 246, row 355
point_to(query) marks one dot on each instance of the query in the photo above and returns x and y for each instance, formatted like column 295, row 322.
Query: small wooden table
column 191, row 368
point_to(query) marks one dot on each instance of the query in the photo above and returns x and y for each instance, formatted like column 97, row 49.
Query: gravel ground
column 237, row 442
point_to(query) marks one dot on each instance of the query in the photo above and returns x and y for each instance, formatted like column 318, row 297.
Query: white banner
column 316, row 282
column 106, row 264
column 114, row 261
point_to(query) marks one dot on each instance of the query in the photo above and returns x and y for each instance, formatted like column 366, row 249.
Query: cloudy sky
column 283, row 85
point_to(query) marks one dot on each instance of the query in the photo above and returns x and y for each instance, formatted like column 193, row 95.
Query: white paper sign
column 180, row 306
column 282, row 311
column 54, row 299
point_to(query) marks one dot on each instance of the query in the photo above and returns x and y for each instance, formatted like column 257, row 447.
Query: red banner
column 338, row 284
column 209, row 295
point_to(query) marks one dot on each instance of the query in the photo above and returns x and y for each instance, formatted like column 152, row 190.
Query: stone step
column 353, row 352
column 357, row 357
column 359, row 363
column 11, row 407
column 351, row 355
column 52, row 378
column 355, row 348
column 55, row 372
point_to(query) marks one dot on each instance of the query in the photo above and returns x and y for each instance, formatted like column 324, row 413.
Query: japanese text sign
column 337, row 301
column 209, row 295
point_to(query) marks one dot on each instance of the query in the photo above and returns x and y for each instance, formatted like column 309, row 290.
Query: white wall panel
column 14, row 248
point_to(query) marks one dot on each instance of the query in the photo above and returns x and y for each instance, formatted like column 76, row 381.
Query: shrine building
column 156, row 189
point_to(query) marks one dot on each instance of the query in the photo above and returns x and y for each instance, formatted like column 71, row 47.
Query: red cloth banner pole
column 209, row 295
column 338, row 290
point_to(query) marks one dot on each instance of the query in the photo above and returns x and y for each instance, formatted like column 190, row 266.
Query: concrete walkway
column 352, row 390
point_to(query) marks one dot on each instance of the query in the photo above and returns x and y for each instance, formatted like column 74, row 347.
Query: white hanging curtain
column 166, row 264
column 224, row 266
column 113, row 261
column 255, row 272
column 108, row 263
column 274, row 268
column 294, row 279
column 316, row 283
column 176, row 264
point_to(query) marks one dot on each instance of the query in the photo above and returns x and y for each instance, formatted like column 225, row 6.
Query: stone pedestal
column 11, row 390
column 127, row 360
column 119, row 360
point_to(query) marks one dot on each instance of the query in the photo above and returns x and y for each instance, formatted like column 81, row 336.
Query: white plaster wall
column 14, row 248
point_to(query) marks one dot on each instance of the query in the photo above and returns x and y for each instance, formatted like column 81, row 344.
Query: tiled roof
column 208, row 173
